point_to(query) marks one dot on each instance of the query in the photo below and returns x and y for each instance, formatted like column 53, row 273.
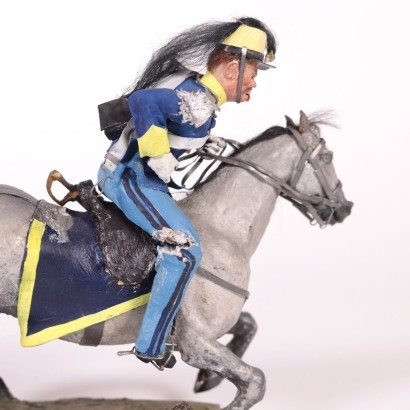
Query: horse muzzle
column 335, row 215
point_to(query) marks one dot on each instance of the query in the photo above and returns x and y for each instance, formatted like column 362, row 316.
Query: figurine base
column 8, row 402
column 104, row 404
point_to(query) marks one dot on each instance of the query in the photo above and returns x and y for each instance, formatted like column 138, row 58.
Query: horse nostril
column 325, row 214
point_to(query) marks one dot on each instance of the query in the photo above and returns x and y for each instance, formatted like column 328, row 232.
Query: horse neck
column 238, row 204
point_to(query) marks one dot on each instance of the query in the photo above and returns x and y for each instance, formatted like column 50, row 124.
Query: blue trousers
column 152, row 210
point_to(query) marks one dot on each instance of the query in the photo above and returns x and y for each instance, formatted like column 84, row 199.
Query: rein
column 304, row 203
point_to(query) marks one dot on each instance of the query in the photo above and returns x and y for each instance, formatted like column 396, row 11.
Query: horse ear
column 303, row 122
column 289, row 122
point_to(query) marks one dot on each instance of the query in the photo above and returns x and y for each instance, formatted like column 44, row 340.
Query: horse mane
column 268, row 134
column 316, row 120
column 322, row 118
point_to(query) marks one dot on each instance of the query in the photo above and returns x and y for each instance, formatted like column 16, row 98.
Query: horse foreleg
column 217, row 358
column 243, row 332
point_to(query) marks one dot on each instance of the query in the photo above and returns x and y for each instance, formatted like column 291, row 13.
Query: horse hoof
column 206, row 380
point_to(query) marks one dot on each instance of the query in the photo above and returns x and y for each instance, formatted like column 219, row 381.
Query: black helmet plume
column 192, row 48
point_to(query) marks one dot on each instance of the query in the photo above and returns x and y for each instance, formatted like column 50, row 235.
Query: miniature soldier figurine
column 173, row 110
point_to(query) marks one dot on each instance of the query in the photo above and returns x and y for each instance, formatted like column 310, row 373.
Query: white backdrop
column 332, row 305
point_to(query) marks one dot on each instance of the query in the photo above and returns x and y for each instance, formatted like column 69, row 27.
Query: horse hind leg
column 215, row 357
column 243, row 333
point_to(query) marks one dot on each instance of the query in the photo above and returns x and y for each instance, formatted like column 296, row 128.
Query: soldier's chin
column 246, row 97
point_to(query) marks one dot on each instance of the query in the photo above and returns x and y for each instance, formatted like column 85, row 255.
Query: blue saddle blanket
column 64, row 287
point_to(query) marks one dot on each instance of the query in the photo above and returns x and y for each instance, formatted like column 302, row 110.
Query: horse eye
column 326, row 156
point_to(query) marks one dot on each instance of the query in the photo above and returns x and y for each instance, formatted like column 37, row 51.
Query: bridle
column 310, row 154
column 306, row 204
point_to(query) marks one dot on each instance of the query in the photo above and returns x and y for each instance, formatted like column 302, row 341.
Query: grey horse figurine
column 231, row 212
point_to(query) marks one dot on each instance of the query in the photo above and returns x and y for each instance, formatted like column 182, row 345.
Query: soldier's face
column 249, row 81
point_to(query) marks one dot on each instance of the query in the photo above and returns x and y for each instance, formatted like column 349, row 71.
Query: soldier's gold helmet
column 249, row 43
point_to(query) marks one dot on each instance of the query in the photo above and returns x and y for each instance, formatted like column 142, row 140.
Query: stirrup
column 165, row 361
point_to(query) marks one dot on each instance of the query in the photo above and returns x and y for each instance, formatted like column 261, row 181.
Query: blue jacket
column 187, row 112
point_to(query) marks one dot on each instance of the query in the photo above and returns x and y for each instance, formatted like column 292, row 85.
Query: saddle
column 129, row 251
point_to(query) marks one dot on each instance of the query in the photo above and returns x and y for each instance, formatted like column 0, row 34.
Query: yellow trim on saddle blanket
column 26, row 291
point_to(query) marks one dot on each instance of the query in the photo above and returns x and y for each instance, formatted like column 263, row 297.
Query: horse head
column 319, row 190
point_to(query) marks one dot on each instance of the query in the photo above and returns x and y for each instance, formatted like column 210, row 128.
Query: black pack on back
column 114, row 116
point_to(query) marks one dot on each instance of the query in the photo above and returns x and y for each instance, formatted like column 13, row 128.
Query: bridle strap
column 310, row 155
column 301, row 166
column 242, row 65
